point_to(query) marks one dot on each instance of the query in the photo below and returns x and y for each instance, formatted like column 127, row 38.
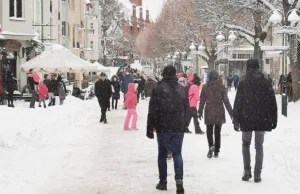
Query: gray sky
column 154, row 6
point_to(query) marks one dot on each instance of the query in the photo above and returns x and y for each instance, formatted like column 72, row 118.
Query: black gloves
column 150, row 134
column 274, row 125
column 236, row 125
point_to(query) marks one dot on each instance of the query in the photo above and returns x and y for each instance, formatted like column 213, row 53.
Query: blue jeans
column 173, row 143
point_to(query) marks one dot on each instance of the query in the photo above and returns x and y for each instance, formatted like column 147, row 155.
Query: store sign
column 12, row 45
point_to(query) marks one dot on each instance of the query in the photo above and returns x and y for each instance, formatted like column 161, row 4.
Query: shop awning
column 17, row 36
column 57, row 59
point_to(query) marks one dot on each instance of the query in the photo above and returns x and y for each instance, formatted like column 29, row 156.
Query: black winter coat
column 10, row 84
column 168, row 107
column 32, row 83
column 117, row 89
column 103, row 89
column 141, row 86
column 49, row 85
column 255, row 107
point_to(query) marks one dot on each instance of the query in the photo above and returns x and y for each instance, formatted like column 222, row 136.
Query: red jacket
column 131, row 97
column 194, row 96
column 1, row 87
column 43, row 91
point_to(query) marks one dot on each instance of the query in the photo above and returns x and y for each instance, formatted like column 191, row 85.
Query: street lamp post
column 293, row 18
column 196, row 52
column 224, row 42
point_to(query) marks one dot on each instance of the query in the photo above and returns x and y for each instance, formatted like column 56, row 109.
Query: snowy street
column 65, row 150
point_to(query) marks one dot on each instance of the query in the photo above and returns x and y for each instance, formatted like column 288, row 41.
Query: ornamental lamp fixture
column 293, row 17
column 192, row 47
column 220, row 37
column 276, row 17
column 232, row 37
column 201, row 47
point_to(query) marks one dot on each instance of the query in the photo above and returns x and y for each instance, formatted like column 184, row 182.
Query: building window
column 16, row 8
column 64, row 28
column 50, row 6
column 92, row 44
column 92, row 26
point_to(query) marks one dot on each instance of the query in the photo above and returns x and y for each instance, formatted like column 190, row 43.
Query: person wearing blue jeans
column 168, row 115
column 173, row 143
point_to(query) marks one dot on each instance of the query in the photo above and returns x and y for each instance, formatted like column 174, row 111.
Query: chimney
column 141, row 13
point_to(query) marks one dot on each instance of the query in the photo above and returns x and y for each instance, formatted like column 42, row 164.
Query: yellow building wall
column 76, row 11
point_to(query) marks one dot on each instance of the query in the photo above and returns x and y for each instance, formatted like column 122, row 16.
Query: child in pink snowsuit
column 130, row 104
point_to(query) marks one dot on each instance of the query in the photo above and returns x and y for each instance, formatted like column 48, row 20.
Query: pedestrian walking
column 116, row 88
column 236, row 80
column 1, row 91
column 50, row 86
column 103, row 92
column 10, row 86
column 167, row 114
column 127, row 79
column 33, row 82
column 289, row 88
column 43, row 93
column 255, row 110
column 229, row 82
column 213, row 98
column 130, row 104
column 141, row 87
column 61, row 89
column 281, row 84
column 194, row 98
column 149, row 86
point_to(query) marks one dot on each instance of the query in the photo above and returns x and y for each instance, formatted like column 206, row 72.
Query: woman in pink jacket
column 194, row 98
column 130, row 104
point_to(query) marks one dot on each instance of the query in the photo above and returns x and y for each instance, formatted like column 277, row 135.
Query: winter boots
column 210, row 152
column 199, row 131
column 216, row 154
column 179, row 186
column 102, row 119
column 247, row 175
column 257, row 176
column 161, row 187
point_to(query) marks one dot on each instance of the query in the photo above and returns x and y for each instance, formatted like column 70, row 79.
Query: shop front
column 17, row 48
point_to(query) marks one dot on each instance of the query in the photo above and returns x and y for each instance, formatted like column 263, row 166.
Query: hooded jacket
column 127, row 79
column 43, row 91
column 131, row 97
column 255, row 107
column 194, row 96
column 168, row 107
column 1, row 86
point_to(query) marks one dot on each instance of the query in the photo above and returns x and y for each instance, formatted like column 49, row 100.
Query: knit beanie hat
column 169, row 71
column 252, row 64
column 213, row 75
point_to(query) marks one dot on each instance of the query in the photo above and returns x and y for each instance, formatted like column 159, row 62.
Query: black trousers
column 108, row 105
column 10, row 98
column 192, row 114
column 104, row 106
column 214, row 129
column 33, row 99
column 1, row 99
column 114, row 103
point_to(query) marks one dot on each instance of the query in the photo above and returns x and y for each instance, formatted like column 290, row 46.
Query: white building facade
column 16, row 18
column 92, row 44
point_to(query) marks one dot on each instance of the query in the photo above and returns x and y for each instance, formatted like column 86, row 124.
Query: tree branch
column 240, row 29
column 268, row 4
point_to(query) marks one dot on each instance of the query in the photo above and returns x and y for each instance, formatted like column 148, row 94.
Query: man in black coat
column 33, row 88
column 103, row 92
column 168, row 115
column 255, row 109
column 49, row 83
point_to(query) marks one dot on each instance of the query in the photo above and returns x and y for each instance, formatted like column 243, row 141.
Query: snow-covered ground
column 65, row 150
